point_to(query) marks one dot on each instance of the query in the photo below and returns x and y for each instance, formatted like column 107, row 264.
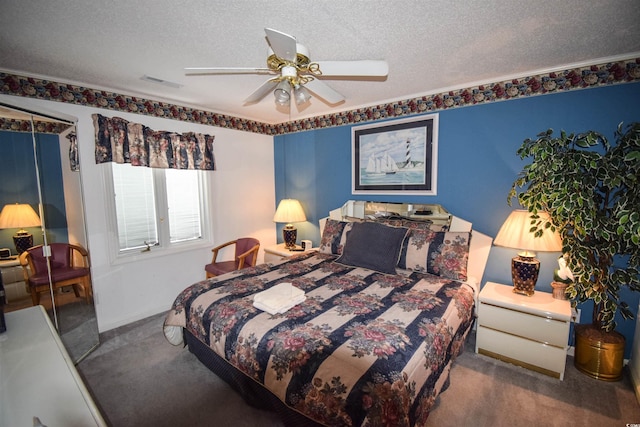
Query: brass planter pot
column 599, row 354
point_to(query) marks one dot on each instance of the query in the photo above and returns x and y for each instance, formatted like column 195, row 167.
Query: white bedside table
column 12, row 279
column 277, row 252
column 532, row 332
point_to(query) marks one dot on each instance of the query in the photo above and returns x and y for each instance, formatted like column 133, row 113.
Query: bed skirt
column 253, row 393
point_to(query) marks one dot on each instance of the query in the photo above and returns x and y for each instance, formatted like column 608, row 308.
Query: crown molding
column 582, row 76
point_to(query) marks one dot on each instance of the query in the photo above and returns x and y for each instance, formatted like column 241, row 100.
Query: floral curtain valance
column 120, row 141
column 74, row 158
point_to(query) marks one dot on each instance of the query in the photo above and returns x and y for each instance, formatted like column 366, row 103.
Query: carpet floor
column 138, row 379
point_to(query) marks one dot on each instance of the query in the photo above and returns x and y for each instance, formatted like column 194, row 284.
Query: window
column 183, row 203
column 157, row 207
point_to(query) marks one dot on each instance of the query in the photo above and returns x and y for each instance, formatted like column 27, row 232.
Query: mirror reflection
column 44, row 258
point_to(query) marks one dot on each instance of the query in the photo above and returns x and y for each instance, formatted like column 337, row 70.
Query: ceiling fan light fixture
column 301, row 95
column 296, row 76
column 282, row 93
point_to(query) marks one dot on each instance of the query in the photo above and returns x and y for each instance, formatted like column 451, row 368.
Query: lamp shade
column 515, row 233
column 19, row 216
column 289, row 210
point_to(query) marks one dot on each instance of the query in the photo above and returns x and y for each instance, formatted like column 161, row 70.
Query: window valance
column 120, row 141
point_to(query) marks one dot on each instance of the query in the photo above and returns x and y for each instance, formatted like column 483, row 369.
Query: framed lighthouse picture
column 396, row 157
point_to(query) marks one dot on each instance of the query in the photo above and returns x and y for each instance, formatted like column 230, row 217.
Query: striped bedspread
column 364, row 348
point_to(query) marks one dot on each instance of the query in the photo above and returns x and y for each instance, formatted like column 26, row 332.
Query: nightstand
column 13, row 279
column 277, row 252
column 529, row 331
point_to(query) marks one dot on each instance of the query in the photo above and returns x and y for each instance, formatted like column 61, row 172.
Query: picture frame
column 396, row 157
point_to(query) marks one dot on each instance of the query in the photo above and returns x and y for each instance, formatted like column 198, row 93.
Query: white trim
column 36, row 109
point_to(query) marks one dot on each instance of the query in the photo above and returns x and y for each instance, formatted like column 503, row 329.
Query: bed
column 389, row 301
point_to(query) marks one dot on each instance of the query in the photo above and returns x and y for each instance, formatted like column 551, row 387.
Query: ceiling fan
column 295, row 75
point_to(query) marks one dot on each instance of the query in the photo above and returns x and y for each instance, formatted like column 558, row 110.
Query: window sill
column 157, row 252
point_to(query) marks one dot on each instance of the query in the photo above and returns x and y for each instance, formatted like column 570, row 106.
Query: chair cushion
column 58, row 275
column 221, row 267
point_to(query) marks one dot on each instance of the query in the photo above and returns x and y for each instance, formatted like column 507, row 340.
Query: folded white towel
column 283, row 308
column 281, row 293
column 278, row 298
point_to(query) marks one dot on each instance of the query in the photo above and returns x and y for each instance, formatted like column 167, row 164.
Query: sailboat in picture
column 381, row 165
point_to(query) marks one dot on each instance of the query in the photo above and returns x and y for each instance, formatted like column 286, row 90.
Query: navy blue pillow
column 374, row 246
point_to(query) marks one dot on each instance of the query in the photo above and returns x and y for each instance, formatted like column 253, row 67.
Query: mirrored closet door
column 42, row 226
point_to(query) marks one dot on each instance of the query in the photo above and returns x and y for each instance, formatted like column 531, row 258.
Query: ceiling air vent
column 160, row 81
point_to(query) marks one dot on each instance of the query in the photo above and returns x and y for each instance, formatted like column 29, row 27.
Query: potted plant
column 562, row 278
column 591, row 190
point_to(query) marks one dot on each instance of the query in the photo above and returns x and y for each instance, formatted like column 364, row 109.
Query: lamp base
column 524, row 274
column 290, row 235
column 23, row 241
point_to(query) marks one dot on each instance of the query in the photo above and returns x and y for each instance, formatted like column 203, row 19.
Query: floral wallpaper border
column 622, row 71
column 16, row 125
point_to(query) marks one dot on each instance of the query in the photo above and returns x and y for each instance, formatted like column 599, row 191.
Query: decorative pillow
column 374, row 246
column 333, row 236
column 442, row 253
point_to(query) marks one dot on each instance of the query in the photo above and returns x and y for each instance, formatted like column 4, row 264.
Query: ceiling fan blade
column 324, row 91
column 261, row 92
column 354, row 68
column 283, row 45
column 227, row 70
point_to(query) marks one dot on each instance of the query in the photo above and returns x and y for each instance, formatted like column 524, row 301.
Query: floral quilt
column 364, row 348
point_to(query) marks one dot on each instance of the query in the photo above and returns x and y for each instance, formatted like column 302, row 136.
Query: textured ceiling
column 431, row 46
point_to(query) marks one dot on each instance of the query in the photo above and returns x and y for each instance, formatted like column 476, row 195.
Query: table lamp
column 516, row 233
column 20, row 216
column 289, row 211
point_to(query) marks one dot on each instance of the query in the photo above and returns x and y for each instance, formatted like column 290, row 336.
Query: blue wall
column 477, row 163
column 19, row 185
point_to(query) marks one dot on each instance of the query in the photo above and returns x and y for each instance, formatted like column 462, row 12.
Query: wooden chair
column 246, row 255
column 69, row 267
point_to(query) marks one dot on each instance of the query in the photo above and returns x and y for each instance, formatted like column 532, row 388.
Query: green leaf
column 582, row 143
column 623, row 219
column 633, row 156
column 591, row 188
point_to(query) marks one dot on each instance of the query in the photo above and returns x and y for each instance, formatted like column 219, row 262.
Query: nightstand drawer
column 532, row 327
column 544, row 358
column 11, row 274
column 270, row 257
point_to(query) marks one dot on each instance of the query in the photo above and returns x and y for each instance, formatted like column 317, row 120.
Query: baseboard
column 635, row 379
column 108, row 326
